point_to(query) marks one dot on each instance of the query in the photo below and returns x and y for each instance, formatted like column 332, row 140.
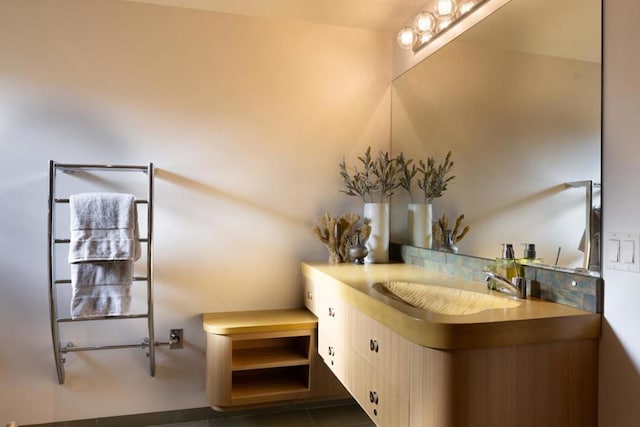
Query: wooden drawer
column 310, row 299
column 333, row 335
column 386, row 351
column 376, row 396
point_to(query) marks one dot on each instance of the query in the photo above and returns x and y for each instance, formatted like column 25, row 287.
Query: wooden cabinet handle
column 332, row 312
column 373, row 397
column 373, row 345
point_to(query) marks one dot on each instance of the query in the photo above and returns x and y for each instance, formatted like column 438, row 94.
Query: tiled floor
column 348, row 415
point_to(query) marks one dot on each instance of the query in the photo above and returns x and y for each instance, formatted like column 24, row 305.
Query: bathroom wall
column 246, row 120
column 620, row 344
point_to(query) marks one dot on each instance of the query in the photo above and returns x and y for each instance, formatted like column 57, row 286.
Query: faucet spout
column 517, row 288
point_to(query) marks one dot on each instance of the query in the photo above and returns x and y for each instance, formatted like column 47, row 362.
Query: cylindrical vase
column 378, row 242
column 419, row 224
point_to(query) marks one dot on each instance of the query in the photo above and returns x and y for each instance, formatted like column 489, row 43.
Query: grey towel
column 104, row 227
column 101, row 289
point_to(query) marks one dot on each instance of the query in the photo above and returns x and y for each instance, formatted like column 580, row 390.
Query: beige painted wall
column 246, row 120
column 620, row 344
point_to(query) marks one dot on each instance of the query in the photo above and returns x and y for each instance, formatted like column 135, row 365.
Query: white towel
column 101, row 289
column 104, row 227
column 104, row 242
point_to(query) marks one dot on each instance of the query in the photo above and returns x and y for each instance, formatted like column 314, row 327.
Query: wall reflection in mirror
column 517, row 99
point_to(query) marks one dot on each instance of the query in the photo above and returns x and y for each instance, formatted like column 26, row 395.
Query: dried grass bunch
column 336, row 234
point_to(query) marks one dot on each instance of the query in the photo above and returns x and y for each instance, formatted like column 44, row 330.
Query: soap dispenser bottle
column 529, row 255
column 506, row 266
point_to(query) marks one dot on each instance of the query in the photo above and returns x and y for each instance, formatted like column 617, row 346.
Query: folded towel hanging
column 103, row 244
column 101, row 289
column 104, row 227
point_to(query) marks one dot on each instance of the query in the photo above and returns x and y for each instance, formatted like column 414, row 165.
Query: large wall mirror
column 517, row 99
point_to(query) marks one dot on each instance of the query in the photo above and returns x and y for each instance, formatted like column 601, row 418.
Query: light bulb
column 425, row 22
column 425, row 37
column 446, row 7
column 444, row 23
column 406, row 38
column 466, row 6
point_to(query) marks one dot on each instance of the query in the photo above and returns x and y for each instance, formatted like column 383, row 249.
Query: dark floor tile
column 343, row 416
column 203, row 423
column 155, row 418
column 78, row 423
column 298, row 418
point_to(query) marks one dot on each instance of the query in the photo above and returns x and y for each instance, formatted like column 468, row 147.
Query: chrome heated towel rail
column 147, row 343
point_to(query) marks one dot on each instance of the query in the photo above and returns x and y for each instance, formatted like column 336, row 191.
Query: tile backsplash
column 564, row 287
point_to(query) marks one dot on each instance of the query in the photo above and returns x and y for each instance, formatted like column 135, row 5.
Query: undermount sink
column 442, row 300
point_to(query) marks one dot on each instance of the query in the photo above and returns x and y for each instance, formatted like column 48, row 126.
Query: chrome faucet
column 516, row 288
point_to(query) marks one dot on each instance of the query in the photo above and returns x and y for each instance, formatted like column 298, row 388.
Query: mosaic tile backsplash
column 568, row 288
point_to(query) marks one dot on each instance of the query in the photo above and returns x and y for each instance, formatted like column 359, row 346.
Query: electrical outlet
column 175, row 339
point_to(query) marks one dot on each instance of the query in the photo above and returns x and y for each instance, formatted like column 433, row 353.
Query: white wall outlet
column 621, row 251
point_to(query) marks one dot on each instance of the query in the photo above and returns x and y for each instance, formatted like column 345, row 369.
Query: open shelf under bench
column 259, row 356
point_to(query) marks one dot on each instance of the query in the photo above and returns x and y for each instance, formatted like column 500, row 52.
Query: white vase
column 419, row 224
column 378, row 242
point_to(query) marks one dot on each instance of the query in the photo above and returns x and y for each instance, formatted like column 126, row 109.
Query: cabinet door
column 386, row 351
column 379, row 399
column 333, row 333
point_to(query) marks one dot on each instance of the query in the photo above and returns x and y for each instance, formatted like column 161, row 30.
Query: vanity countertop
column 533, row 321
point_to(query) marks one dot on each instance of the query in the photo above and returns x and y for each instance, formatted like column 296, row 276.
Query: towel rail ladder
column 147, row 343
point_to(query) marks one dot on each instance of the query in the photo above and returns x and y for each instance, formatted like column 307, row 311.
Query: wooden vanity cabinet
column 399, row 383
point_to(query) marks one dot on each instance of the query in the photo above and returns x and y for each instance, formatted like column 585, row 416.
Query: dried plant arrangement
column 335, row 234
column 407, row 171
column 457, row 233
column 433, row 180
column 379, row 177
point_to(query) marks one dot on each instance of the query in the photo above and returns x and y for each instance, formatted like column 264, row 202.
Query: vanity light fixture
column 444, row 16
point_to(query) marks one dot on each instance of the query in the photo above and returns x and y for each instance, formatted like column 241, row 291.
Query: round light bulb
column 446, row 7
column 406, row 38
column 444, row 23
column 425, row 37
column 425, row 22
column 466, row 6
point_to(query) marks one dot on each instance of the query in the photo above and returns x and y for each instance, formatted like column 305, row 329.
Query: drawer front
column 333, row 335
column 378, row 399
column 386, row 351
column 310, row 299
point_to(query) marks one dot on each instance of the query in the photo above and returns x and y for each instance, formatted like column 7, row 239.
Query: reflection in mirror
column 517, row 99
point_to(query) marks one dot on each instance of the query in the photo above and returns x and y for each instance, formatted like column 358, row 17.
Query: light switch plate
column 627, row 245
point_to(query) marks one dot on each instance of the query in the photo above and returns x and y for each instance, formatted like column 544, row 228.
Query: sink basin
column 442, row 300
